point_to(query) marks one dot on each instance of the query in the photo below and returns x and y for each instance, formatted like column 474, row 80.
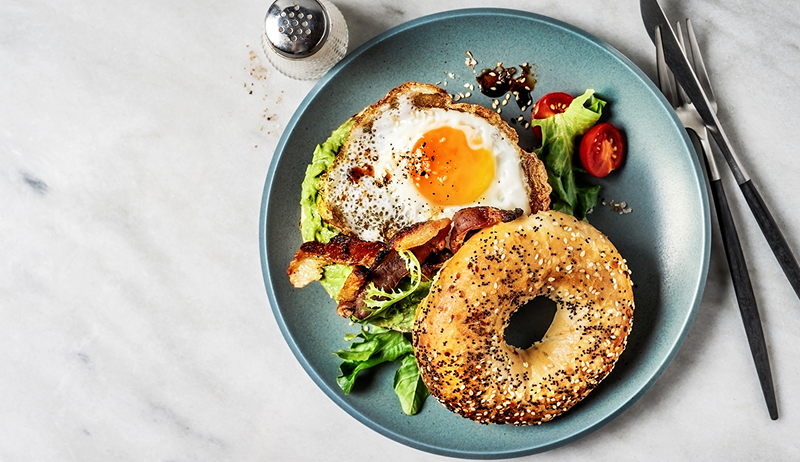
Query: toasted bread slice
column 422, row 96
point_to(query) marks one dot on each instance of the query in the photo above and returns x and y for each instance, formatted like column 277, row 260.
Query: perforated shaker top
column 297, row 29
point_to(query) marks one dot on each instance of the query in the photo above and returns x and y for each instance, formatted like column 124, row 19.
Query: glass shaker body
column 303, row 39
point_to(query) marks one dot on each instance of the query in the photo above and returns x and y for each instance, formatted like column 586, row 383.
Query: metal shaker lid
column 297, row 29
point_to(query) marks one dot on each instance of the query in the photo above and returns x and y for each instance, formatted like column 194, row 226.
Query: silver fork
column 677, row 97
column 733, row 250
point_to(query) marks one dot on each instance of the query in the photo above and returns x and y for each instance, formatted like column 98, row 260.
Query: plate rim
column 674, row 347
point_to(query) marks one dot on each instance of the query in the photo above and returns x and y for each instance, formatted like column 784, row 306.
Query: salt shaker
column 303, row 39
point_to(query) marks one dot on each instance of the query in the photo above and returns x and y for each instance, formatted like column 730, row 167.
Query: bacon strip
column 468, row 221
column 418, row 234
column 352, row 289
column 425, row 240
column 308, row 262
column 385, row 275
column 432, row 242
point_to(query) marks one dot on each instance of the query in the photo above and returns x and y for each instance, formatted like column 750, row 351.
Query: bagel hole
column 530, row 322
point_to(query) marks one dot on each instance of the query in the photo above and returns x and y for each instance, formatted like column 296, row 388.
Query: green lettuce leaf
column 376, row 347
column 409, row 387
column 559, row 135
column 400, row 316
column 396, row 309
column 372, row 347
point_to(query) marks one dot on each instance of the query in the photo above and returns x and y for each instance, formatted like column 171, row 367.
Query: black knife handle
column 745, row 296
column 773, row 234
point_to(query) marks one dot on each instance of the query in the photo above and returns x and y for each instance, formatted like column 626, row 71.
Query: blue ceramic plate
column 665, row 237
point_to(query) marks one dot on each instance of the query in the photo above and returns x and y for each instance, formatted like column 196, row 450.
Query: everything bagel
column 459, row 328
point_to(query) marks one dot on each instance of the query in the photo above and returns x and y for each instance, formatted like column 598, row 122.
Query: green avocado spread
column 312, row 226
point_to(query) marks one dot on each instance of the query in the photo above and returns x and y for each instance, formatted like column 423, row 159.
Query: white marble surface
column 135, row 138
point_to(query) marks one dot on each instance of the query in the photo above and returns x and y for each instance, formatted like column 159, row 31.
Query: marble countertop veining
column 135, row 138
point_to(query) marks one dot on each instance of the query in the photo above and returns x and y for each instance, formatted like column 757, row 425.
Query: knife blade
column 653, row 16
column 662, row 34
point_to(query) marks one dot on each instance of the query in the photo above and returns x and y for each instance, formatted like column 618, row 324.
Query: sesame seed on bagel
column 459, row 329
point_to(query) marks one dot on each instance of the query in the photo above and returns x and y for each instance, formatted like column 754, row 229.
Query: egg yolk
column 447, row 171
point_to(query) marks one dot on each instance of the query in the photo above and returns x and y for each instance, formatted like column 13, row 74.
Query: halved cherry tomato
column 549, row 105
column 602, row 149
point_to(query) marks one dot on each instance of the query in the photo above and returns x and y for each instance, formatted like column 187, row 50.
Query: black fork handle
column 745, row 295
column 773, row 234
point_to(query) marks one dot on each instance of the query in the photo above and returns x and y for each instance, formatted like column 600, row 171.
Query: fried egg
column 415, row 156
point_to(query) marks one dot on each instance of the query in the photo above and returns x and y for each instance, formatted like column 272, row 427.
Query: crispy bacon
column 468, row 221
column 313, row 256
column 351, row 290
column 386, row 274
column 432, row 242
column 305, row 268
column 352, row 285
column 425, row 240
column 418, row 234
column 346, row 309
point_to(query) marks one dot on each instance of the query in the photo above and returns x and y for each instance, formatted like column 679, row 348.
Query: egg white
column 378, row 205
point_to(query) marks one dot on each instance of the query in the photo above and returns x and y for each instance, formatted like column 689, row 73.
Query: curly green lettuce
column 396, row 309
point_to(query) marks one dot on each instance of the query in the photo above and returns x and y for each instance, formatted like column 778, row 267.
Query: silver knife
column 653, row 17
column 655, row 20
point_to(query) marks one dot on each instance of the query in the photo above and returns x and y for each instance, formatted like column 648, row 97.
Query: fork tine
column 683, row 98
column 699, row 65
column 664, row 74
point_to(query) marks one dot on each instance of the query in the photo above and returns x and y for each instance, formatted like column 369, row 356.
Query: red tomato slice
column 602, row 150
column 551, row 104
column 548, row 106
